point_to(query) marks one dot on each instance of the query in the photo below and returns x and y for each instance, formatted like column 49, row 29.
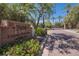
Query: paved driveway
column 62, row 43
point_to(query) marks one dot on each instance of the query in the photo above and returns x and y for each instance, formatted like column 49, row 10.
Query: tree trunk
column 64, row 26
column 53, row 21
column 38, row 20
column 69, row 25
column 43, row 22
column 59, row 20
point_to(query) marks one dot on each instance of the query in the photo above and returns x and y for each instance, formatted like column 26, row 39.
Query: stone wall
column 10, row 30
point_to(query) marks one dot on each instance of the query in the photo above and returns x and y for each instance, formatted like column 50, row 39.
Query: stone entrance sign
column 10, row 30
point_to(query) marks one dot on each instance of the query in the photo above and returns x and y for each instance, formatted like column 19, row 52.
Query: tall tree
column 72, row 18
column 53, row 18
column 59, row 17
column 3, row 11
column 46, row 11
column 67, row 8
column 26, row 12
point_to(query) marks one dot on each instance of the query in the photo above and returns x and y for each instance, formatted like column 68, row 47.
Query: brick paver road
column 64, row 43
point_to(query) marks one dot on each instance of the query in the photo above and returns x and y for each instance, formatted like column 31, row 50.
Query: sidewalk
column 72, row 31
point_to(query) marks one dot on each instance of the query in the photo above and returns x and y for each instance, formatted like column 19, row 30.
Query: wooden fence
column 10, row 30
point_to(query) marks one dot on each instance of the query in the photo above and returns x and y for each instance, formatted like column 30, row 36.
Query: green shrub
column 28, row 48
column 59, row 24
column 40, row 31
column 48, row 24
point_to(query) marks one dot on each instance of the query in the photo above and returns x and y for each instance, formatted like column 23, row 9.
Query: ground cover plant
column 28, row 48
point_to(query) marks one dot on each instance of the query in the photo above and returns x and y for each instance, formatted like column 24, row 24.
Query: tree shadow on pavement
column 63, row 42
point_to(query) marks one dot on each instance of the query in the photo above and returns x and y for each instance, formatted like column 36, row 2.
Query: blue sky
column 59, row 8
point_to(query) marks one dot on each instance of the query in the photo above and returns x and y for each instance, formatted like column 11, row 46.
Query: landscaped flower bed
column 28, row 48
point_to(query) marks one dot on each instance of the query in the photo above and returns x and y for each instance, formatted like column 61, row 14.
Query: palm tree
column 72, row 18
column 45, row 11
column 59, row 17
column 53, row 18
column 67, row 8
